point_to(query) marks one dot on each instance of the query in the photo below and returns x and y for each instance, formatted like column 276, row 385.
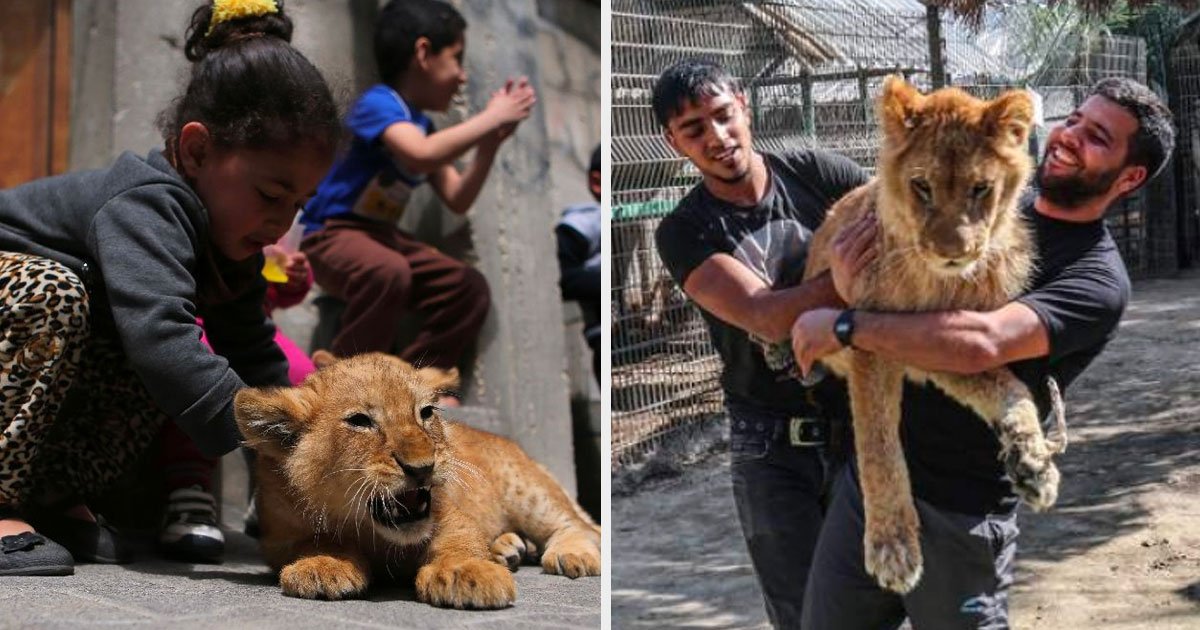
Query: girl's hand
column 297, row 270
column 852, row 250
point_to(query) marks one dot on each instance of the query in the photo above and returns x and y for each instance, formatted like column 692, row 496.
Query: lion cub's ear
column 1010, row 116
column 323, row 358
column 899, row 107
column 271, row 419
column 440, row 380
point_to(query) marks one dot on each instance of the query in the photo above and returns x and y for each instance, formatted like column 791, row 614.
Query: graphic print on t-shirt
column 776, row 252
column 387, row 194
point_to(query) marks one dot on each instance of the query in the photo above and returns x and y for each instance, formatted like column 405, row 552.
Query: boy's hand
column 510, row 105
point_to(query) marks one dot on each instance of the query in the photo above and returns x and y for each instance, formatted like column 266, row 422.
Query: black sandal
column 96, row 542
column 30, row 553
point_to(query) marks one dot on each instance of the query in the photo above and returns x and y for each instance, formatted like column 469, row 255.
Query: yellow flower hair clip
column 225, row 10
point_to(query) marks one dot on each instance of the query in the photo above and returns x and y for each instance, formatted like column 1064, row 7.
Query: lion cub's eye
column 980, row 191
column 427, row 412
column 360, row 420
column 921, row 189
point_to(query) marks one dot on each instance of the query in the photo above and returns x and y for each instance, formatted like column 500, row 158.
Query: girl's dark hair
column 250, row 87
column 402, row 22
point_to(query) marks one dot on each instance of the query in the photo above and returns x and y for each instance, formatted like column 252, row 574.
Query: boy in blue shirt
column 356, row 251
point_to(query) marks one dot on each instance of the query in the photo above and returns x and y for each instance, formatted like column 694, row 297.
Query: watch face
column 843, row 327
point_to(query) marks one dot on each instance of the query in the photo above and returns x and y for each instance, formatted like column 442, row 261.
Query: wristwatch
column 843, row 327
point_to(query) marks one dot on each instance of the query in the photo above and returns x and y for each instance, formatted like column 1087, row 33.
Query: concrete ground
column 242, row 593
column 1121, row 549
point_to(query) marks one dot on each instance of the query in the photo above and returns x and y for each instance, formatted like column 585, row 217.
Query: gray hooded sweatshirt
column 137, row 235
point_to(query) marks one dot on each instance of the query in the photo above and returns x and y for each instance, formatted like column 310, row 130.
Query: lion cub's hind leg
column 511, row 550
column 1007, row 405
column 570, row 541
column 572, row 552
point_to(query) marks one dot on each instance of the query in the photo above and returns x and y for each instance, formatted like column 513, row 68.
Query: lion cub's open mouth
column 401, row 508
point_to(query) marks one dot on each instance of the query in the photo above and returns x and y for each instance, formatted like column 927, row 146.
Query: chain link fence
column 810, row 71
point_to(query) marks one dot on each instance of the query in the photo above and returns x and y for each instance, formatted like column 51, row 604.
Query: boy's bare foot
column 449, row 401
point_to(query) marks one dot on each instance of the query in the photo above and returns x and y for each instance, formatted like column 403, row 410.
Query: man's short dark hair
column 594, row 165
column 1155, row 137
column 402, row 22
column 686, row 82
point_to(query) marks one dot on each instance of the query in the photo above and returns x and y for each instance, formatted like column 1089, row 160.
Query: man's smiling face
column 1087, row 153
column 714, row 133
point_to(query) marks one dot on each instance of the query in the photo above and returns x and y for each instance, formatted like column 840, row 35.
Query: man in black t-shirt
column 1112, row 144
column 736, row 244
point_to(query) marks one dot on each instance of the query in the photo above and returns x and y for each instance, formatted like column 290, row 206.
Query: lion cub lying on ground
column 950, row 236
column 359, row 477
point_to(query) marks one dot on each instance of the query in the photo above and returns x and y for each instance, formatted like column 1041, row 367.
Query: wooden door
column 35, row 83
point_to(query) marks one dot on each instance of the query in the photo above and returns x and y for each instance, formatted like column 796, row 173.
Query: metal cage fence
column 1184, row 76
column 810, row 71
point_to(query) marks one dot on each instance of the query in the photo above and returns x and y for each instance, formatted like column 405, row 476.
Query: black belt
column 801, row 431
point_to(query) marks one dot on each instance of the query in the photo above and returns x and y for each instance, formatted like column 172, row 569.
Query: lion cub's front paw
column 470, row 583
column 1034, row 476
column 573, row 557
column 322, row 577
column 893, row 552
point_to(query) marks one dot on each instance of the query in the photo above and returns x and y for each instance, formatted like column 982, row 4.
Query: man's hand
column 813, row 338
column 851, row 251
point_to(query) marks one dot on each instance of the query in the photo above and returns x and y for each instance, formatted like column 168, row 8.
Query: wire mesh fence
column 1184, row 77
column 810, row 71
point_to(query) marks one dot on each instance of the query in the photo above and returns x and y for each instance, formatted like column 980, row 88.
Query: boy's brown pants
column 380, row 272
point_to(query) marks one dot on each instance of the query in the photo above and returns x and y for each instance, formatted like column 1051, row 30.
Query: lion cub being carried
column 360, row 477
column 950, row 172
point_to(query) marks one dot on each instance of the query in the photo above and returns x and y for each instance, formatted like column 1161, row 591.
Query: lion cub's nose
column 420, row 474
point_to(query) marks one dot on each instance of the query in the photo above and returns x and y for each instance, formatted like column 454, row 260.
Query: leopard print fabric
column 74, row 414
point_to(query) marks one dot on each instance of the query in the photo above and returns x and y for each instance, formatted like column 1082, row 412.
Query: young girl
column 103, row 274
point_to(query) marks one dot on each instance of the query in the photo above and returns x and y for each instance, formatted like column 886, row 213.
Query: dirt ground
column 1121, row 550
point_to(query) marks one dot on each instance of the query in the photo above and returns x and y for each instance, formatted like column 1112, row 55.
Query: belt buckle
column 797, row 436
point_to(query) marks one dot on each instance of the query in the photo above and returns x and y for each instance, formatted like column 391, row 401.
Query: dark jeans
column 968, row 569
column 781, row 491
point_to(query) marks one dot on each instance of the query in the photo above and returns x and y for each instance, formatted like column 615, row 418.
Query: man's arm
column 963, row 342
column 729, row 290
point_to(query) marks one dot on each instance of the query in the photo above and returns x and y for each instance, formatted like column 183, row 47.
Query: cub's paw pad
column 572, row 558
column 508, row 549
column 466, row 584
column 322, row 578
column 1035, row 479
column 894, row 560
